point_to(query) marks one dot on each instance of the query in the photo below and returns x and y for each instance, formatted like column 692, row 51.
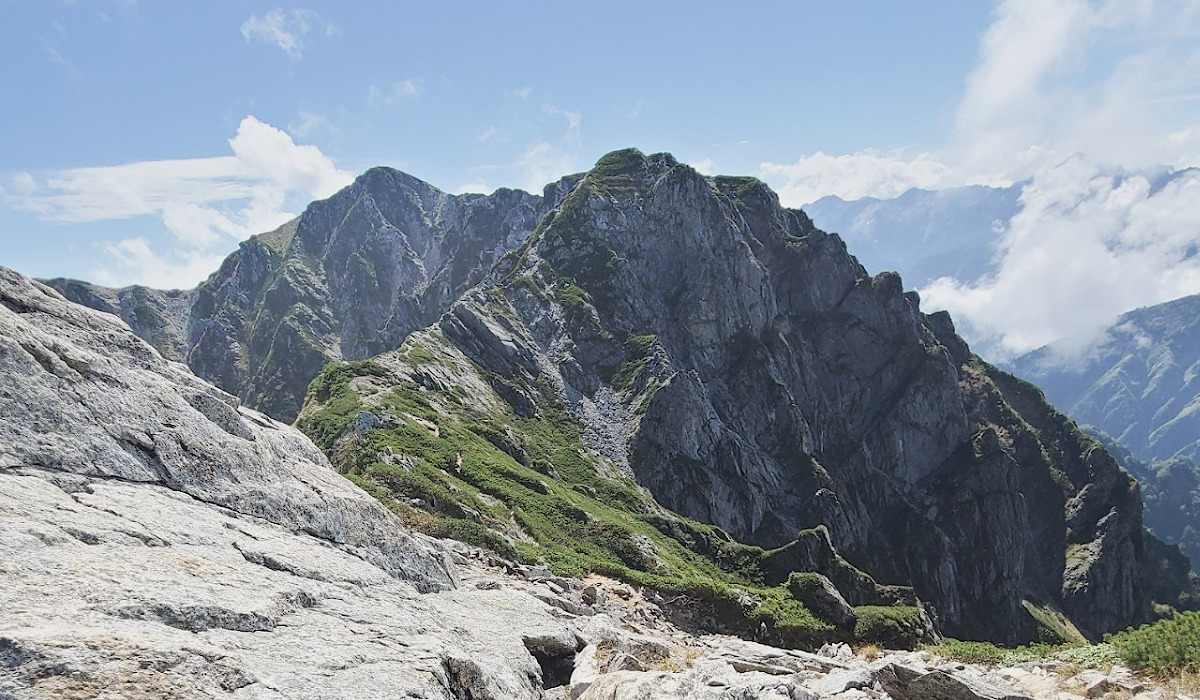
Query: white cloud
column 1012, row 93
column 487, row 134
column 855, row 175
column 704, row 166
column 201, row 202
column 1087, row 245
column 476, row 186
column 24, row 183
column 546, row 161
column 397, row 93
column 523, row 93
column 308, row 124
column 134, row 256
column 59, row 60
column 1059, row 88
column 287, row 29
column 1113, row 79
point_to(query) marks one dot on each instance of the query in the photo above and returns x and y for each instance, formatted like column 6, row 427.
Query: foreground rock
column 85, row 402
column 158, row 541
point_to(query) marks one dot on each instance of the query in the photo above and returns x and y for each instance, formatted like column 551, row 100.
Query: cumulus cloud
column 288, row 30
column 397, row 93
column 548, row 160
column 201, row 202
column 179, row 269
column 1012, row 94
column 1060, row 88
column 1108, row 78
column 1115, row 80
column 856, row 175
column 1087, row 245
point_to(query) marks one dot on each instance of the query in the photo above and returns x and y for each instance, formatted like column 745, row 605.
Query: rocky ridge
column 739, row 365
column 350, row 278
column 160, row 541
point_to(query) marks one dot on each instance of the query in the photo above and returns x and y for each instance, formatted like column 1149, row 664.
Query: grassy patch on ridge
column 528, row 489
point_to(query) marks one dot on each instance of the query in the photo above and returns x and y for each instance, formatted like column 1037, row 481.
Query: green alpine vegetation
column 1167, row 648
column 454, row 460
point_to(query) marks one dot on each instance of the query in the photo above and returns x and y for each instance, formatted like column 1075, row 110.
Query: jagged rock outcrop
column 744, row 368
column 1171, row 495
column 349, row 278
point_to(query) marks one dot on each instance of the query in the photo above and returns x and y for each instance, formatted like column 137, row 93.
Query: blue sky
column 464, row 95
column 141, row 141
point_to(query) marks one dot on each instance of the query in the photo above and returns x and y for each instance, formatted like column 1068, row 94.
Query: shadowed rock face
column 744, row 368
column 350, row 278
column 738, row 362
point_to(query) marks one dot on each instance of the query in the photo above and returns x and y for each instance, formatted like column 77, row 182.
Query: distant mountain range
column 922, row 234
column 1140, row 384
column 927, row 234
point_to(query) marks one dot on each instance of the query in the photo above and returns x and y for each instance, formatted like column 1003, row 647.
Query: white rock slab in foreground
column 158, row 541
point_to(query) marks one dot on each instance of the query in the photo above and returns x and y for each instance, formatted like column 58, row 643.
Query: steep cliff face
column 350, row 278
column 741, row 366
column 1170, row 493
